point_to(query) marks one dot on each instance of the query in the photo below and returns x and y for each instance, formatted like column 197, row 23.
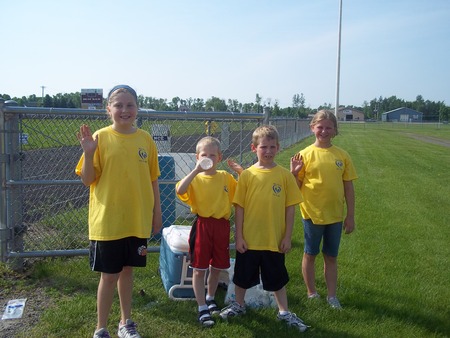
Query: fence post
column 13, row 194
column 3, row 159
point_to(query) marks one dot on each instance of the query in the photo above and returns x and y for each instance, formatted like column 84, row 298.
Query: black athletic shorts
column 252, row 264
column 112, row 256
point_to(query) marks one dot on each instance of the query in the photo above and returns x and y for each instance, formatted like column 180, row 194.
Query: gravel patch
column 37, row 301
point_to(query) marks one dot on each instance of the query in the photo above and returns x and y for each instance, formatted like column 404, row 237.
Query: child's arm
column 296, row 165
column 286, row 241
column 236, row 167
column 89, row 145
column 183, row 186
column 349, row 222
column 157, row 213
column 241, row 246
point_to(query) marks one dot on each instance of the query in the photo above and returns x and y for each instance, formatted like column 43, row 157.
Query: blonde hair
column 268, row 131
column 206, row 141
column 325, row 115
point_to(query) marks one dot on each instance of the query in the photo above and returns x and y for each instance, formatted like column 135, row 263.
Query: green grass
column 393, row 270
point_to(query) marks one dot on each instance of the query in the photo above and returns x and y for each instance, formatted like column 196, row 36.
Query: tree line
column 432, row 111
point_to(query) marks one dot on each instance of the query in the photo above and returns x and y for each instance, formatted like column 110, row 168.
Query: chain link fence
column 44, row 206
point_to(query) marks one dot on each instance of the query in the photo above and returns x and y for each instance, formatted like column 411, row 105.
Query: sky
column 230, row 49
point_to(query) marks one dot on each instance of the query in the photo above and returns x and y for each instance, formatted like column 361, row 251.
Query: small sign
column 23, row 138
column 160, row 138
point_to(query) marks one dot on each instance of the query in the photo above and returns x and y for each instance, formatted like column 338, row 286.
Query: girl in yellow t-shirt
column 120, row 166
column 324, row 175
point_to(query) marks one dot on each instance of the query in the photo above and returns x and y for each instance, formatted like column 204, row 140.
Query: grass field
column 393, row 270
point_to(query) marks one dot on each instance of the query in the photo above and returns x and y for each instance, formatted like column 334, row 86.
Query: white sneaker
column 128, row 330
column 314, row 296
column 334, row 303
column 101, row 333
column 291, row 319
column 232, row 310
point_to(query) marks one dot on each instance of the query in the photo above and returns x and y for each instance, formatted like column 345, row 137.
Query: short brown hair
column 268, row 131
column 207, row 140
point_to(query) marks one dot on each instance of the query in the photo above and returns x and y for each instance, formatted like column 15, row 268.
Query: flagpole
column 336, row 108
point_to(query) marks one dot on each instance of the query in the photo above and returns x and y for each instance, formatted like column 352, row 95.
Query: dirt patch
column 430, row 139
column 37, row 301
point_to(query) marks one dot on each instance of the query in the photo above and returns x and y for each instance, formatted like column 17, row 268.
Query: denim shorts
column 331, row 234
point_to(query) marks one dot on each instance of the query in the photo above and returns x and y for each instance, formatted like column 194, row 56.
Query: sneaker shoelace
column 130, row 328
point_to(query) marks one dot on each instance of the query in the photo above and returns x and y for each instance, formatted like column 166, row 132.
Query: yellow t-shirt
column 264, row 194
column 323, row 175
column 121, row 199
column 210, row 195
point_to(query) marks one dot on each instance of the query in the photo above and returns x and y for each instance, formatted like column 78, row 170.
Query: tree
column 325, row 106
column 173, row 105
column 48, row 101
column 258, row 100
column 198, row 105
column 276, row 109
column 5, row 97
column 234, row 106
column 444, row 112
column 419, row 104
column 298, row 105
column 248, row 107
column 215, row 104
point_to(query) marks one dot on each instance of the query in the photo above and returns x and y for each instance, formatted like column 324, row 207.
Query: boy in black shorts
column 267, row 195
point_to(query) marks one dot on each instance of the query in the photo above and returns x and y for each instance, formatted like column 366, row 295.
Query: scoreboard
column 91, row 98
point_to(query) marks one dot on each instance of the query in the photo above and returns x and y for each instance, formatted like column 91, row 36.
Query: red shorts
column 209, row 243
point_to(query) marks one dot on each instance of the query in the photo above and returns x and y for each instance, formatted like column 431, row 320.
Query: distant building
column 402, row 115
column 350, row 114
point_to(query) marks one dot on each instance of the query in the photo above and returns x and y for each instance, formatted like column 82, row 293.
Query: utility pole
column 43, row 87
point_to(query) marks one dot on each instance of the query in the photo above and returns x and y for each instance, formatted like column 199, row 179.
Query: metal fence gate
column 44, row 206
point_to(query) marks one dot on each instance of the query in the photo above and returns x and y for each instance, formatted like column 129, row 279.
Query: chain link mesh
column 47, row 207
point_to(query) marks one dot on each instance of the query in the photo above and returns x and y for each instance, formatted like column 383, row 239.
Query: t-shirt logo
column 339, row 164
column 225, row 188
column 142, row 154
column 276, row 188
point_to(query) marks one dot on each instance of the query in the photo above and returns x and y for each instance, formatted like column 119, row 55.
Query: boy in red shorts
column 209, row 193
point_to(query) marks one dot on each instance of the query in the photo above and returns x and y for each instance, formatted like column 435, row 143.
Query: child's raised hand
column 236, row 167
column 296, row 164
column 88, row 143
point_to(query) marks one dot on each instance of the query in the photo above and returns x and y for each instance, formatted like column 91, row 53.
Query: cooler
column 174, row 269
